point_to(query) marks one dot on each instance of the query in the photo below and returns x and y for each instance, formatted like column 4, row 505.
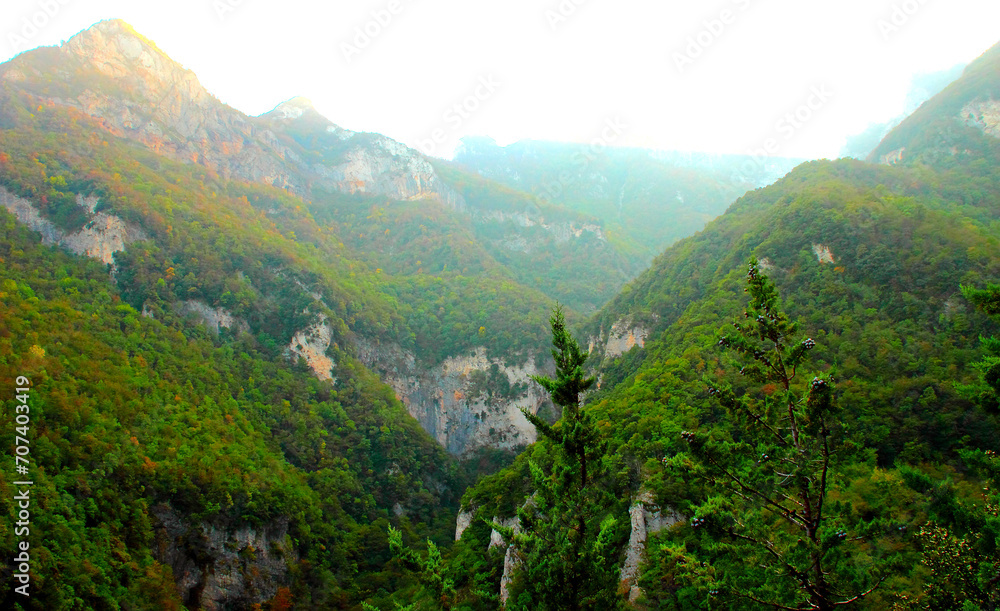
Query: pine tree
column 565, row 551
column 766, row 525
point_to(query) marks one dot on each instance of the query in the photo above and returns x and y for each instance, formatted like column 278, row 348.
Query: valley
column 273, row 359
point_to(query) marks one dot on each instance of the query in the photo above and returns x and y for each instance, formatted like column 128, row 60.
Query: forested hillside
column 273, row 363
column 646, row 200
column 851, row 437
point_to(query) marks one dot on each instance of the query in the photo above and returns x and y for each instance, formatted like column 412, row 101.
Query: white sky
column 608, row 60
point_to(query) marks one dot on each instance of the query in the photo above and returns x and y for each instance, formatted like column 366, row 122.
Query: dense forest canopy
column 800, row 409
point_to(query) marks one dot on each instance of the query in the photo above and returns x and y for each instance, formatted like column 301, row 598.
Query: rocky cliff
column 101, row 237
column 219, row 566
column 465, row 402
column 116, row 75
column 645, row 517
column 623, row 335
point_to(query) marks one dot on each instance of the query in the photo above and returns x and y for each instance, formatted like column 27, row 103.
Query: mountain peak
column 115, row 49
column 292, row 109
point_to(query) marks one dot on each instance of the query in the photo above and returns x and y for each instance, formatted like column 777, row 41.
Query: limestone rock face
column 311, row 344
column 623, row 335
column 983, row 115
column 26, row 213
column 823, row 253
column 160, row 104
column 164, row 107
column 455, row 401
column 463, row 522
column 220, row 567
column 517, row 228
column 646, row 518
column 370, row 164
column 102, row 236
column 215, row 319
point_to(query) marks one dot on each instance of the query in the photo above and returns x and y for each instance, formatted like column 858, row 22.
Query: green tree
column 988, row 394
column 961, row 546
column 429, row 568
column 767, row 526
column 565, row 551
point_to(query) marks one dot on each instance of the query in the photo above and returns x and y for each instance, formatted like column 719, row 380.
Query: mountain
column 963, row 121
column 256, row 343
column 922, row 88
column 868, row 260
column 372, row 210
column 646, row 200
column 329, row 315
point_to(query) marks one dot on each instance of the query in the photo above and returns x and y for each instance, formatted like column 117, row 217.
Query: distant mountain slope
column 324, row 240
column 868, row 260
column 962, row 121
column 646, row 200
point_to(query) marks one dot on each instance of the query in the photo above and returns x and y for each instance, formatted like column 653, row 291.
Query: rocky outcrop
column 561, row 232
column 623, row 338
column 466, row 401
column 26, row 213
column 983, row 115
column 646, row 518
column 102, row 236
column 167, row 109
column 370, row 164
column 163, row 106
column 892, row 157
column 464, row 521
column 823, row 253
column 391, row 169
column 623, row 335
column 311, row 344
column 510, row 558
column 218, row 566
column 215, row 319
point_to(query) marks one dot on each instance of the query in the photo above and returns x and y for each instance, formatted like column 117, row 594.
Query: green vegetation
column 154, row 440
column 565, row 553
column 129, row 413
column 644, row 201
column 769, row 529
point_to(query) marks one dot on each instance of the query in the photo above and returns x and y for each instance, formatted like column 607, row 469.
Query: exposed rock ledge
column 311, row 344
column 215, row 319
column 218, row 567
column 646, row 518
column 455, row 402
column 102, row 237
column 622, row 337
column 983, row 115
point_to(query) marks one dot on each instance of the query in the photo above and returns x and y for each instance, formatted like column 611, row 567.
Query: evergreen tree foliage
column 771, row 533
column 987, row 300
column 565, row 551
column 430, row 568
column 961, row 546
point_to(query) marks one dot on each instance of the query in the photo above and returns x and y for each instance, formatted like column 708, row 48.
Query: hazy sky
column 718, row 76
